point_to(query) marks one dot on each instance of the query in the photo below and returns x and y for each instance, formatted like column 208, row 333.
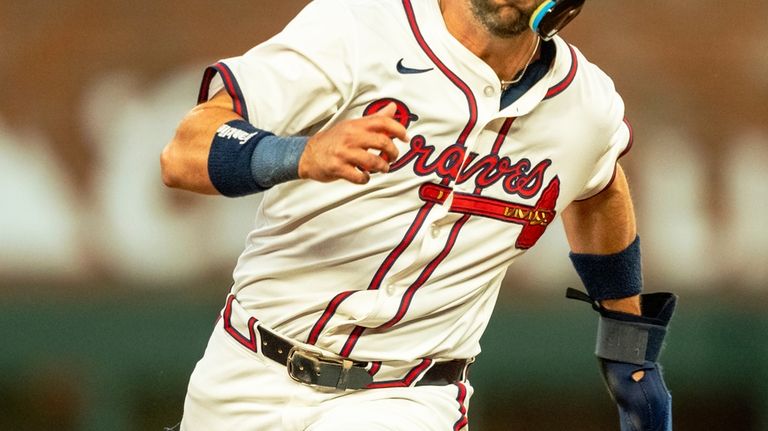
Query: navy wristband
column 611, row 276
column 229, row 159
column 244, row 160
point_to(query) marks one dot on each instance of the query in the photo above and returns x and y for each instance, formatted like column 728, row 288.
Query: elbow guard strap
column 629, row 342
column 627, row 338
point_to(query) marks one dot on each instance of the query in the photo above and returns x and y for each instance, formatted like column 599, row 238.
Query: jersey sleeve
column 617, row 141
column 298, row 78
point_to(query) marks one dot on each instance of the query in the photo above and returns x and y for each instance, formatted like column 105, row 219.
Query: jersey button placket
column 489, row 91
column 434, row 230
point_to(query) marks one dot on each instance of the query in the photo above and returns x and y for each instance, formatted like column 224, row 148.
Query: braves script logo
column 453, row 165
column 517, row 178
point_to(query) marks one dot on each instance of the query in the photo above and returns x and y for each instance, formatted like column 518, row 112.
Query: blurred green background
column 110, row 283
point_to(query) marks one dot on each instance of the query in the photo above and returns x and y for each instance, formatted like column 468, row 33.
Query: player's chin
column 514, row 3
column 509, row 28
column 510, row 21
column 502, row 18
column 519, row 5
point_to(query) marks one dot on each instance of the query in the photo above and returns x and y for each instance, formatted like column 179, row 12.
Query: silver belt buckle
column 307, row 368
column 294, row 370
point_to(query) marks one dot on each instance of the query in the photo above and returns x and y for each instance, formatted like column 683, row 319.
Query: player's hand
column 342, row 151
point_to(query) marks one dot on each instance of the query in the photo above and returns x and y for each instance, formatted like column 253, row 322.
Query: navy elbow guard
column 628, row 349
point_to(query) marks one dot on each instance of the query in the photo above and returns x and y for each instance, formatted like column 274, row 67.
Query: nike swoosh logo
column 409, row 70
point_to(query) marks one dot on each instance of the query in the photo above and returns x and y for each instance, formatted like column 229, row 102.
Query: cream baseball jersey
column 405, row 270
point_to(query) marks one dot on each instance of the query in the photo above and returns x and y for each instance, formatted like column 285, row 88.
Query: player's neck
column 506, row 56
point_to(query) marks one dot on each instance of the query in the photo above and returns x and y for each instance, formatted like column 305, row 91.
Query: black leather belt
column 309, row 368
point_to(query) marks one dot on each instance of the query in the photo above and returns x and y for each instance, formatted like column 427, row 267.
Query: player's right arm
column 339, row 152
column 184, row 161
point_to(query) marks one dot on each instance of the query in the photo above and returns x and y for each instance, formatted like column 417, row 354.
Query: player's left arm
column 602, row 234
column 604, row 224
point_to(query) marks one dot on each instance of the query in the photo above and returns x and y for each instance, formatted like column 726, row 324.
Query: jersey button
column 435, row 231
column 489, row 91
column 391, row 289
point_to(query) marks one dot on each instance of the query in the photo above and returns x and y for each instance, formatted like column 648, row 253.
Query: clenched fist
column 342, row 151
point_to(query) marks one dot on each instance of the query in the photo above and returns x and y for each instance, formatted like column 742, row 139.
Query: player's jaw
column 504, row 18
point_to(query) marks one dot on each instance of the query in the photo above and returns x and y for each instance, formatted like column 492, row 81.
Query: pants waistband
column 337, row 373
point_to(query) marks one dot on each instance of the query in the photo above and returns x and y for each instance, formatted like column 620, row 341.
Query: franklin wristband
column 611, row 276
column 244, row 160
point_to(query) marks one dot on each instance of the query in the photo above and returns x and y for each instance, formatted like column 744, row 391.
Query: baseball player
column 408, row 151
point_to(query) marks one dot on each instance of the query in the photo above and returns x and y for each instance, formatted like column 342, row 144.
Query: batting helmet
column 553, row 15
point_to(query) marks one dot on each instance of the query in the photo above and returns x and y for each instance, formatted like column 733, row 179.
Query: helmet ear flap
column 552, row 15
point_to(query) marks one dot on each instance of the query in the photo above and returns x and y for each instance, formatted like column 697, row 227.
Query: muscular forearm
column 604, row 224
column 344, row 151
column 184, row 161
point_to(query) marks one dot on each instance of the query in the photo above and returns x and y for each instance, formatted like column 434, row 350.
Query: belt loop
column 343, row 381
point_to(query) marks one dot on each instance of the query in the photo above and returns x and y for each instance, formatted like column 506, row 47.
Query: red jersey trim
column 461, row 398
column 566, row 82
column 230, row 85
